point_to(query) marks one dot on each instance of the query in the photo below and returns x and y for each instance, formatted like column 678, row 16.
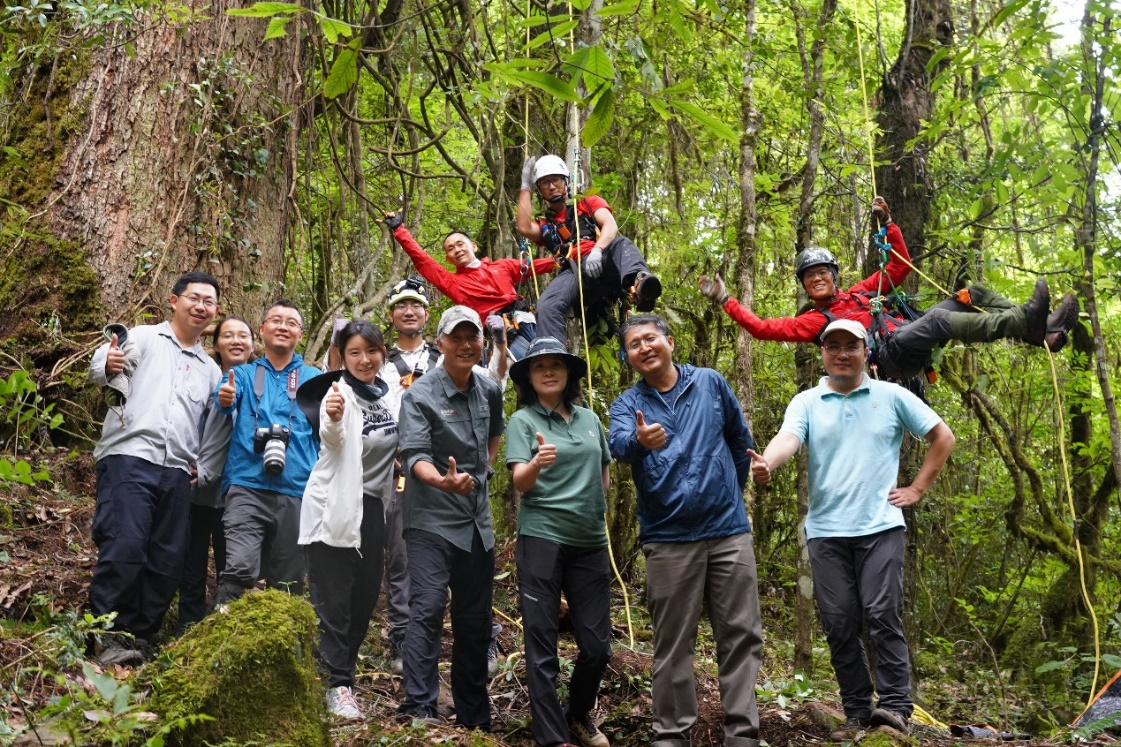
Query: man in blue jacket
column 271, row 455
column 683, row 433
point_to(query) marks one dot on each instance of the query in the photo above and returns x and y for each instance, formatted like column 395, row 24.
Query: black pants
column 435, row 565
column 205, row 530
column 261, row 531
column 622, row 261
column 545, row 569
column 396, row 574
column 344, row 583
column 140, row 527
column 858, row 579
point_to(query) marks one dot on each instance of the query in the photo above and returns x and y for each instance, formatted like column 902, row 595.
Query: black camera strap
column 259, row 391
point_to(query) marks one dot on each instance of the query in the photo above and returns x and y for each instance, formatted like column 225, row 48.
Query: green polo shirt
column 566, row 504
column 438, row 421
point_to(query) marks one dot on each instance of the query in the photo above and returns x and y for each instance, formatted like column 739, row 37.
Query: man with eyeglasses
column 272, row 451
column 148, row 445
column 489, row 287
column 903, row 348
column 853, row 426
column 683, row 434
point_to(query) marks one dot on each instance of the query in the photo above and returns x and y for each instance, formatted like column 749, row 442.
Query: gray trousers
column 396, row 573
column 680, row 576
column 261, row 532
column 858, row 579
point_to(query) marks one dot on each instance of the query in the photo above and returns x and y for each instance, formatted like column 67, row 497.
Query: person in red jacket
column 489, row 287
column 903, row 347
column 611, row 265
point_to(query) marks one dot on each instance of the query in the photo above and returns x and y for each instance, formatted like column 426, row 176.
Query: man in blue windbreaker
column 684, row 435
column 271, row 455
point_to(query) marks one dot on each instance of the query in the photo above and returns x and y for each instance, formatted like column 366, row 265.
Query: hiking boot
column 422, row 716
column 342, row 704
column 586, row 732
column 853, row 726
column 1060, row 322
column 645, row 291
column 1035, row 314
column 891, row 719
column 118, row 651
column 492, row 650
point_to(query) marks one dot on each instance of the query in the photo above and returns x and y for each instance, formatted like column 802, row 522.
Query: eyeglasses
column 232, row 335
column 834, row 348
column 641, row 342
column 814, row 273
column 279, row 321
column 196, row 300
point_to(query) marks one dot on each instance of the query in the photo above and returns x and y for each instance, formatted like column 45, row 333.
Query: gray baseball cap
column 455, row 316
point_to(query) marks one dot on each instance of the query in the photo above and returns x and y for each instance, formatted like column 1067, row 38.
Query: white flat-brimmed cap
column 853, row 327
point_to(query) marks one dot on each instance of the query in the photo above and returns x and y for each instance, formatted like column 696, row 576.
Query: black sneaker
column 891, row 719
column 645, row 291
column 1060, row 322
column 853, row 726
column 1035, row 312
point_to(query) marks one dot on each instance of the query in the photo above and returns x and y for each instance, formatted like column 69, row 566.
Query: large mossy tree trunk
column 160, row 148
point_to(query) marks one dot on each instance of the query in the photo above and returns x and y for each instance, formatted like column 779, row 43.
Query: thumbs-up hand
column 335, row 403
column 651, row 436
column 546, row 453
column 114, row 359
column 460, row 483
column 227, row 391
column 760, row 470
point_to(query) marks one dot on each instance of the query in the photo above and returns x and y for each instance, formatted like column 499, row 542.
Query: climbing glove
column 714, row 288
column 593, row 263
column 881, row 214
column 496, row 325
column 393, row 220
column 527, row 173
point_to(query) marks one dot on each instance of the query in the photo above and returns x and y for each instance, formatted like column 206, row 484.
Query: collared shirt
column 438, row 421
column 566, row 504
column 168, row 391
column 853, row 441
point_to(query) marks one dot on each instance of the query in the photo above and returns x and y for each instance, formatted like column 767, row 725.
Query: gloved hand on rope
column 881, row 213
column 593, row 263
column 527, row 174
column 393, row 220
column 714, row 288
column 496, row 325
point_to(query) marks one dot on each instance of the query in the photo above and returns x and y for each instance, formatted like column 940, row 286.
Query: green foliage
column 26, row 418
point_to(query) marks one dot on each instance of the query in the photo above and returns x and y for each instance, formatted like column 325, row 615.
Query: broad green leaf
column 619, row 9
column 593, row 62
column 266, row 9
column 599, row 121
column 537, row 19
column 660, row 107
column 1050, row 667
column 343, row 75
column 1008, row 10
column 975, row 209
column 550, row 84
column 333, row 29
column 556, row 33
column 276, row 27
column 712, row 124
column 580, row 4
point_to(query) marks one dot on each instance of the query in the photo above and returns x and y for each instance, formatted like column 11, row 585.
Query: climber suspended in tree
column 581, row 230
column 901, row 345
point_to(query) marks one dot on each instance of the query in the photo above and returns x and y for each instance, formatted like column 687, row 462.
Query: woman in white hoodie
column 342, row 518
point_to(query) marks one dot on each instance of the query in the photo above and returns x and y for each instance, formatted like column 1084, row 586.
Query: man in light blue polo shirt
column 853, row 427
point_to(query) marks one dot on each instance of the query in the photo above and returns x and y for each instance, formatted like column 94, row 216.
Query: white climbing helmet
column 550, row 166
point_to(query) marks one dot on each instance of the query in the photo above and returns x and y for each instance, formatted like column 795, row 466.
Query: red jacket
column 486, row 289
column 845, row 305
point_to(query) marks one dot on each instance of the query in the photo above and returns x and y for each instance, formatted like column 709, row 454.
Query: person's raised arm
column 941, row 440
column 527, row 226
column 429, row 268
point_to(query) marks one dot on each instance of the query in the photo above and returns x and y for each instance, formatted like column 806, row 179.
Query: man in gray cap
column 450, row 424
column 853, row 427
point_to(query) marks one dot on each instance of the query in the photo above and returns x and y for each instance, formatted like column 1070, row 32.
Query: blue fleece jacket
column 244, row 466
column 692, row 488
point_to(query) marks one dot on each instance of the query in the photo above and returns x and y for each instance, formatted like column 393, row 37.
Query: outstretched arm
column 430, row 269
column 802, row 328
column 777, row 453
column 896, row 270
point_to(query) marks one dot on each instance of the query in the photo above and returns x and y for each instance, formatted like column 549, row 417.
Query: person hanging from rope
column 902, row 347
column 612, row 264
column 489, row 287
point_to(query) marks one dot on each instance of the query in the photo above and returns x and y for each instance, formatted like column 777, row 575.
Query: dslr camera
column 272, row 442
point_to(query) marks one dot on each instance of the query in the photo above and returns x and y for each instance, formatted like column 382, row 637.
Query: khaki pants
column 680, row 576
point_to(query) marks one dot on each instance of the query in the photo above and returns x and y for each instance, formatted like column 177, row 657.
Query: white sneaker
column 341, row 703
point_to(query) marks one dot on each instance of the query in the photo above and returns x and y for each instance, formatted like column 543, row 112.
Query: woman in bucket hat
column 559, row 458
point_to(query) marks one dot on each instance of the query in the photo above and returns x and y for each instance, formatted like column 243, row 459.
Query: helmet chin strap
column 411, row 335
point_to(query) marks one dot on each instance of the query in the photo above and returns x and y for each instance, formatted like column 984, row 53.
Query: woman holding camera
column 559, row 457
column 342, row 517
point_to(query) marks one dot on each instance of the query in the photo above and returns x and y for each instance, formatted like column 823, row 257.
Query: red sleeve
column 513, row 268
column 591, row 204
column 801, row 328
column 897, row 269
column 544, row 266
column 430, row 269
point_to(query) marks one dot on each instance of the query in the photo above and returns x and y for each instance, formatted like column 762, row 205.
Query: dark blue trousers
column 140, row 528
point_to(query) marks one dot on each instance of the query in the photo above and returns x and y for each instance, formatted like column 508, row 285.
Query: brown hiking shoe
column 850, row 730
column 1035, row 313
column 891, row 719
column 1060, row 322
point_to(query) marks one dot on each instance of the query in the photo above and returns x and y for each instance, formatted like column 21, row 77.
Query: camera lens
column 274, row 456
